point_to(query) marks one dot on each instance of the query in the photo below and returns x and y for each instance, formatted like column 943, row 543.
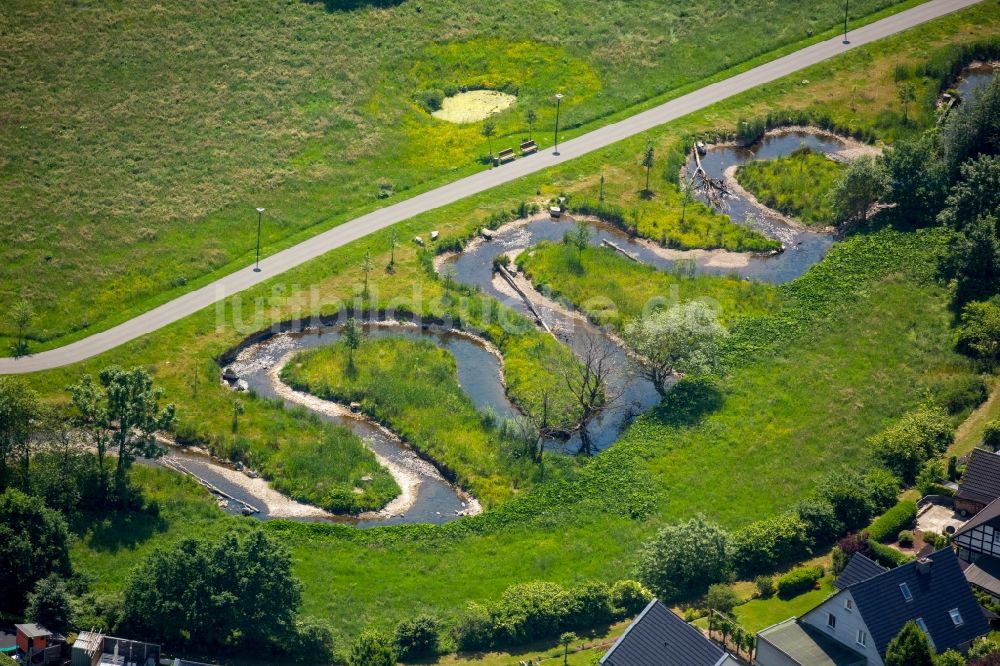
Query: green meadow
column 139, row 138
column 797, row 185
column 812, row 368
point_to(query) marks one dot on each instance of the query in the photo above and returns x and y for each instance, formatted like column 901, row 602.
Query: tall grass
column 797, row 185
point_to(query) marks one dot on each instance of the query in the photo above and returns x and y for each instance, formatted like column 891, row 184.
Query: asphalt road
column 347, row 232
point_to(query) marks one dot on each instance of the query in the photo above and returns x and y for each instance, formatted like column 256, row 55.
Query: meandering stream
column 432, row 498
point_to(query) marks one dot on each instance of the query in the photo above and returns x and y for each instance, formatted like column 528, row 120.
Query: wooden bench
column 506, row 155
column 529, row 147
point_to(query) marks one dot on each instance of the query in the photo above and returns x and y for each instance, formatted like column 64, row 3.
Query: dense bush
column 991, row 435
column 961, row 392
column 49, row 604
column 530, row 611
column 312, row 642
column 905, row 538
column 917, row 437
column 979, row 332
column 417, row 637
column 882, row 487
column 629, row 597
column 852, row 503
column 591, row 605
column 887, row 526
column 684, row 558
column 474, row 629
column 821, row 521
column 765, row 586
column 765, row 545
column 886, row 556
column 372, row 648
column 431, row 100
column 797, row 581
column 722, row 598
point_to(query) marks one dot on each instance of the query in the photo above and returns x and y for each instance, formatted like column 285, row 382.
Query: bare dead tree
column 539, row 424
column 587, row 382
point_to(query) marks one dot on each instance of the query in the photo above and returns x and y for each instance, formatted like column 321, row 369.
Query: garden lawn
column 757, row 614
column 611, row 289
column 169, row 123
column 797, row 185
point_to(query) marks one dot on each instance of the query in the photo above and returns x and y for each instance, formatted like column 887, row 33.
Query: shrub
column 991, row 435
column 417, row 637
column 887, row 526
column 934, row 540
column 886, row 556
column 797, row 581
column 684, row 558
column 961, row 392
column 49, row 604
column 474, row 629
column 820, row 519
column 906, row 538
column 851, row 501
column 530, row 611
column 629, row 597
column 767, row 544
column 929, row 478
column 906, row 445
column 431, row 100
column 983, row 647
column 882, row 487
column 722, row 598
column 372, row 648
column 765, row 586
column 591, row 605
column 313, row 641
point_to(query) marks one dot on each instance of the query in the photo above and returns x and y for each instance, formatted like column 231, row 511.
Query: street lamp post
column 260, row 213
column 559, row 97
column 847, row 6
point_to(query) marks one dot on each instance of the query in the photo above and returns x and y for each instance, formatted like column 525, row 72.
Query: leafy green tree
column 918, row 178
column 489, row 131
column 352, row 336
column 393, row 242
column 50, row 605
column 372, row 648
column 531, row 611
column 915, row 438
column 979, row 332
column 238, row 590
column 22, row 315
column 580, row 238
column 366, row 266
column 132, row 415
column 417, row 637
column 910, row 647
column 313, row 640
column 684, row 338
column 19, row 408
column 974, row 262
column 530, row 117
column 851, row 501
column 863, row 183
column 591, row 605
column 90, row 416
column 566, row 639
column 684, row 558
column 907, row 94
column 991, row 435
column 973, row 128
column 34, row 544
column 882, row 487
column 647, row 162
column 822, row 524
column 975, row 194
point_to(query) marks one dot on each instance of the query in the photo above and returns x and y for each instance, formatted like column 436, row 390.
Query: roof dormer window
column 905, row 589
column 956, row 617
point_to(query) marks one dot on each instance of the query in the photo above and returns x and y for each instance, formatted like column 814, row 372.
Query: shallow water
column 972, row 78
column 479, row 375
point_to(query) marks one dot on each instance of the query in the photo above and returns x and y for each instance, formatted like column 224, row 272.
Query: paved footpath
column 182, row 306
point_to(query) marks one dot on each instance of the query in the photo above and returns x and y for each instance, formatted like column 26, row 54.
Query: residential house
column 96, row 649
column 853, row 626
column 980, row 482
column 978, row 543
column 657, row 637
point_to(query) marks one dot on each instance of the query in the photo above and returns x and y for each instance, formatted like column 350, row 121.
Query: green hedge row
column 799, row 580
column 900, row 517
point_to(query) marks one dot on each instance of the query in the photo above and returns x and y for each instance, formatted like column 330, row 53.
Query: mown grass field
column 612, row 289
column 853, row 345
column 797, row 185
column 138, row 139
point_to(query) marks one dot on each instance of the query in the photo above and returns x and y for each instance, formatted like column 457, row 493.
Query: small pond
column 974, row 77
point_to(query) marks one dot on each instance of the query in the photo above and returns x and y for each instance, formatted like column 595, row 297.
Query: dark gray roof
column 981, row 479
column 32, row 630
column 985, row 573
column 858, row 569
column 659, row 638
column 805, row 644
column 989, row 513
column 885, row 611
